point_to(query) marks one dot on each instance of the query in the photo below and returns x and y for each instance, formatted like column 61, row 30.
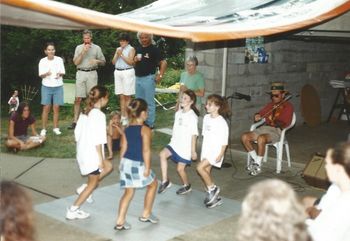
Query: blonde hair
column 271, row 211
column 114, row 113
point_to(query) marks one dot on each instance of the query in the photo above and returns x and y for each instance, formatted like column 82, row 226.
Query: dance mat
column 178, row 214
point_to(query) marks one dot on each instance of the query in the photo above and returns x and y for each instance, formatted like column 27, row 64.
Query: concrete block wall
column 295, row 62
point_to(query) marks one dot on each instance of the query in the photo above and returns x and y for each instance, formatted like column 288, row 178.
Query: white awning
column 197, row 20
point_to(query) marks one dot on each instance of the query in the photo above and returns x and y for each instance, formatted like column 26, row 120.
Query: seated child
column 114, row 131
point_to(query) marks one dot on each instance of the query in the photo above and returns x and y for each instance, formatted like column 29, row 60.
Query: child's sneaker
column 57, row 131
column 77, row 214
column 81, row 189
column 43, row 132
column 184, row 189
column 218, row 201
column 152, row 219
column 124, row 226
column 212, row 195
column 163, row 186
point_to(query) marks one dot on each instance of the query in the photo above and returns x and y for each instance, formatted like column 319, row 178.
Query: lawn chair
column 278, row 145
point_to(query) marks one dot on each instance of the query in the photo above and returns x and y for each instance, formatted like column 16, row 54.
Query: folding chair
column 278, row 145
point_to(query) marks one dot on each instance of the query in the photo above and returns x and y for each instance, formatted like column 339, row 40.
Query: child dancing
column 215, row 139
column 135, row 165
column 182, row 146
column 114, row 131
column 91, row 135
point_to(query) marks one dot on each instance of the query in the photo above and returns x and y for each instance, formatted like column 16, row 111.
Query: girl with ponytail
column 135, row 165
column 91, row 136
column 182, row 146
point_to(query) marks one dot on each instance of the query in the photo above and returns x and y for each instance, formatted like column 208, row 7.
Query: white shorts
column 124, row 81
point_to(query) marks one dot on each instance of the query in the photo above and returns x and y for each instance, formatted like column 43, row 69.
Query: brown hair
column 16, row 213
column 341, row 155
column 96, row 93
column 21, row 108
column 224, row 109
column 193, row 97
column 136, row 107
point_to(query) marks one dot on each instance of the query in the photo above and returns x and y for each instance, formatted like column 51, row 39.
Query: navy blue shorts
column 116, row 144
column 176, row 158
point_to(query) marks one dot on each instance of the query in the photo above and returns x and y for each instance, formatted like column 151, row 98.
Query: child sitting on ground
column 114, row 131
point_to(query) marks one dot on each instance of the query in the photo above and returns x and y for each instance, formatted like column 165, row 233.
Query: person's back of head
column 271, row 211
column 16, row 214
column 341, row 156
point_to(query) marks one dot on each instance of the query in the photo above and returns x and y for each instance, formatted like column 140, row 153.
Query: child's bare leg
column 109, row 147
column 124, row 205
column 107, row 168
column 149, row 198
column 204, row 168
column 91, row 185
column 182, row 173
column 163, row 156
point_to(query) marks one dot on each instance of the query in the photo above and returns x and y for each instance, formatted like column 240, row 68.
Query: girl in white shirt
column 215, row 139
column 91, row 136
column 182, row 147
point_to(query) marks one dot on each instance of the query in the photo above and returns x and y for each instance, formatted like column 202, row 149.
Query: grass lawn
column 63, row 146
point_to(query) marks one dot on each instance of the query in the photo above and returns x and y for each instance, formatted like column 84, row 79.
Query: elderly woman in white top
column 124, row 74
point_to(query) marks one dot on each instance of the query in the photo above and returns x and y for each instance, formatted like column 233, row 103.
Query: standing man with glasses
column 148, row 58
column 87, row 57
column 278, row 115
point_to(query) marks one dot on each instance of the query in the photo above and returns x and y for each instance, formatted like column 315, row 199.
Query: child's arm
column 123, row 146
column 110, row 128
column 146, row 149
column 222, row 153
column 194, row 147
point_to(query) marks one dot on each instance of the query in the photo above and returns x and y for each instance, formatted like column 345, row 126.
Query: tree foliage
column 22, row 48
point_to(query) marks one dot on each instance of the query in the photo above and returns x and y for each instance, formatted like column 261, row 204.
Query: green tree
column 22, row 48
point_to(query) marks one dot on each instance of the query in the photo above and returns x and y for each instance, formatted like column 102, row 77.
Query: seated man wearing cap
column 278, row 115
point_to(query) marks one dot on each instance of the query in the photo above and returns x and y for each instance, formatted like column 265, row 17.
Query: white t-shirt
column 90, row 132
column 54, row 66
column 185, row 126
column 333, row 223
column 215, row 135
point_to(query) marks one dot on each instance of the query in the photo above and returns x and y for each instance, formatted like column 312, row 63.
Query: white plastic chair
column 278, row 145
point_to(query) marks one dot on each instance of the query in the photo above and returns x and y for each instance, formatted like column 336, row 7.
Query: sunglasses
column 275, row 95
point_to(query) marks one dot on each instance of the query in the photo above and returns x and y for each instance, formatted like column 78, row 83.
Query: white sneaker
column 77, row 214
column 57, row 131
column 81, row 189
column 43, row 132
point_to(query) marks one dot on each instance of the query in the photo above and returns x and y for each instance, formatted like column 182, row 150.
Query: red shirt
column 281, row 117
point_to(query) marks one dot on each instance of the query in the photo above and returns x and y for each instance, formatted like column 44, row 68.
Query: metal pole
column 224, row 70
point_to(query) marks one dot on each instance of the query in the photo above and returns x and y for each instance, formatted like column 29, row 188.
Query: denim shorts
column 52, row 95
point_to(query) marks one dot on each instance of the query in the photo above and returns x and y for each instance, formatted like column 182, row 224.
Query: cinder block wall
column 295, row 62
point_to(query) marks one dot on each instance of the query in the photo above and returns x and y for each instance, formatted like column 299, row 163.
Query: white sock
column 258, row 160
column 212, row 187
column 74, row 208
column 253, row 154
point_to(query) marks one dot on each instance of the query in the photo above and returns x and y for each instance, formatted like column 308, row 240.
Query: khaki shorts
column 275, row 133
column 84, row 82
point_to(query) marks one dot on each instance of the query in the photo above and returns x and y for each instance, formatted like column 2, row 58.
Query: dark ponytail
column 193, row 97
column 97, row 92
column 136, row 107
